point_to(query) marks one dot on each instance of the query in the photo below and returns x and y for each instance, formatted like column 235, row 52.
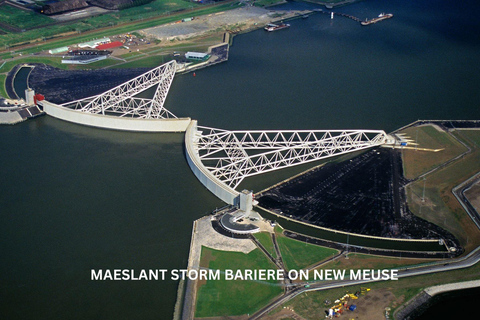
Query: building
column 198, row 56
column 58, row 50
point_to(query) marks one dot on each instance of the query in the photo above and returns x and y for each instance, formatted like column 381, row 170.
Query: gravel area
column 224, row 20
column 206, row 236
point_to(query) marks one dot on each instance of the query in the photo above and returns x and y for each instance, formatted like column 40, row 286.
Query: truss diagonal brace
column 121, row 99
column 232, row 156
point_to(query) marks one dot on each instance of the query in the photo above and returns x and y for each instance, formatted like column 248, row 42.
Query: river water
column 74, row 198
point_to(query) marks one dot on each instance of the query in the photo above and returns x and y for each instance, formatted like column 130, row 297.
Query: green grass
column 440, row 206
column 471, row 137
column 265, row 239
column 152, row 49
column 148, row 62
column 263, row 3
column 100, row 64
column 417, row 162
column 229, row 298
column 298, row 255
column 35, row 36
column 133, row 54
column 3, row 92
column 6, row 55
column 311, row 306
column 22, row 19
column 53, row 61
column 357, row 261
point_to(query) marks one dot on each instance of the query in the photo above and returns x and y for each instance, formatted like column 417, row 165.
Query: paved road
column 287, row 282
column 455, row 264
column 458, row 192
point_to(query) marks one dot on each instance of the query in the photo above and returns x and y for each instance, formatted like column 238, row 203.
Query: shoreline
column 406, row 309
column 422, row 299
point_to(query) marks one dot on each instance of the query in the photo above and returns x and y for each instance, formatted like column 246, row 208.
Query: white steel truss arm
column 232, row 156
column 122, row 100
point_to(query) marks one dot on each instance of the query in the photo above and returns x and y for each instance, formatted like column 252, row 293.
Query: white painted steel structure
column 231, row 156
column 114, row 122
column 122, row 100
column 217, row 187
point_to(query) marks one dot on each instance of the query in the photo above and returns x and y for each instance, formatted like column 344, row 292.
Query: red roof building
column 114, row 44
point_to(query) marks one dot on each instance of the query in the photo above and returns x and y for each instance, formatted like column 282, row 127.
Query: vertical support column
column 30, row 97
column 246, row 201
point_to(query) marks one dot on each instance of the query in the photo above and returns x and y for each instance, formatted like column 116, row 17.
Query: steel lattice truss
column 232, row 156
column 122, row 100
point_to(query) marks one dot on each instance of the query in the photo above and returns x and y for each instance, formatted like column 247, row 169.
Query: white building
column 196, row 56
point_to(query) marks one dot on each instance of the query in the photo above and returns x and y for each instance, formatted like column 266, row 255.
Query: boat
column 381, row 16
column 274, row 27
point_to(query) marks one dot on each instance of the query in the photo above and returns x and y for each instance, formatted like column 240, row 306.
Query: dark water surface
column 447, row 305
column 74, row 198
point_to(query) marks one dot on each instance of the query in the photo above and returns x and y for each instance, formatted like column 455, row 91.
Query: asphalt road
column 441, row 266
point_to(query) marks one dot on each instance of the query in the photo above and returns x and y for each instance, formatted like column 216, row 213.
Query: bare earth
column 235, row 20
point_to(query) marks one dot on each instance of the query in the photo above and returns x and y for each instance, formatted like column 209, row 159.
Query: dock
column 367, row 22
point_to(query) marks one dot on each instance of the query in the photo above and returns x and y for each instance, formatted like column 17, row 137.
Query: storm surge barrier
column 221, row 159
column 124, row 108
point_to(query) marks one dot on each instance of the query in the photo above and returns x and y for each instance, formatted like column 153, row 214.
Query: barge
column 274, row 27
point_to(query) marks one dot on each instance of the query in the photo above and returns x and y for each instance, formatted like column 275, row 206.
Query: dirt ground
column 370, row 306
column 234, row 20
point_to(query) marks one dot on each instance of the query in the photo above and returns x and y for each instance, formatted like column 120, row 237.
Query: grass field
column 266, row 240
column 130, row 55
column 105, row 26
column 440, row 205
column 3, row 92
column 53, row 61
column 22, row 19
column 263, row 3
column 471, row 137
column 417, row 162
column 109, row 62
column 57, row 63
column 298, row 255
column 363, row 261
column 229, row 298
column 311, row 306
column 148, row 62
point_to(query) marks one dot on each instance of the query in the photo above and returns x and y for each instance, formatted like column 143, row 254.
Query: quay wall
column 421, row 300
column 113, row 122
column 213, row 184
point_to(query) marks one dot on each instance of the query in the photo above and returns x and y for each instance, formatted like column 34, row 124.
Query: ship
column 274, row 27
column 381, row 16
